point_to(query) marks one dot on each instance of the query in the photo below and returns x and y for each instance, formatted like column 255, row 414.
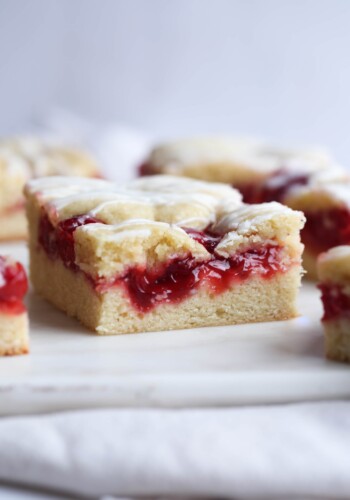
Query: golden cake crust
column 337, row 339
column 14, row 337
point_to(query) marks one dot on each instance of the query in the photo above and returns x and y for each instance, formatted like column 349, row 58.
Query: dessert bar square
column 334, row 276
column 161, row 253
column 24, row 158
column 261, row 172
column 327, row 211
column 13, row 314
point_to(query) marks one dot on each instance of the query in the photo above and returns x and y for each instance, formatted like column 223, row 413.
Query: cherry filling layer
column 58, row 242
column 274, row 188
column 336, row 302
column 179, row 279
column 13, row 287
column 174, row 280
column 326, row 229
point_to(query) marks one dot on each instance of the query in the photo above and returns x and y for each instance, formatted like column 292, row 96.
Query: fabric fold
column 291, row 451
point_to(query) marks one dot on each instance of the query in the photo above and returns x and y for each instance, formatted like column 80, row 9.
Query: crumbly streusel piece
column 13, row 314
column 24, row 158
column 334, row 276
column 161, row 253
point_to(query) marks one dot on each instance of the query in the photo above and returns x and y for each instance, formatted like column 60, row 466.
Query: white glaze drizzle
column 227, row 213
column 248, row 218
column 335, row 253
column 57, row 194
column 38, row 157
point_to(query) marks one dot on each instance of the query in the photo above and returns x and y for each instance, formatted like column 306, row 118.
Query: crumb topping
column 174, row 157
column 334, row 265
column 321, row 195
column 144, row 221
column 37, row 157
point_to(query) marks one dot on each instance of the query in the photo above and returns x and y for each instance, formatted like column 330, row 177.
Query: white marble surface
column 247, row 364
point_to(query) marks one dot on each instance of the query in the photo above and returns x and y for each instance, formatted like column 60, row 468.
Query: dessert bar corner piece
column 24, row 158
column 327, row 210
column 334, row 283
column 260, row 171
column 13, row 314
column 161, row 253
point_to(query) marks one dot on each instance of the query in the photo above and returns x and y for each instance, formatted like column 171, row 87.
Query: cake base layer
column 337, row 339
column 310, row 264
column 253, row 300
column 13, row 334
column 13, row 226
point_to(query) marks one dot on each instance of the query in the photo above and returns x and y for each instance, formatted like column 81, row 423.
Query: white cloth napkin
column 292, row 451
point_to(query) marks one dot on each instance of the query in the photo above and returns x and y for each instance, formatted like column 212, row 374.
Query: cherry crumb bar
column 327, row 211
column 305, row 180
column 161, row 253
column 259, row 171
column 334, row 277
column 13, row 314
column 24, row 158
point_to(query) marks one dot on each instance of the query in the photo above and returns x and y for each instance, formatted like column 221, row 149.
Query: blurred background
column 159, row 68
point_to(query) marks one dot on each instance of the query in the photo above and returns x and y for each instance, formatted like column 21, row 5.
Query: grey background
column 275, row 68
